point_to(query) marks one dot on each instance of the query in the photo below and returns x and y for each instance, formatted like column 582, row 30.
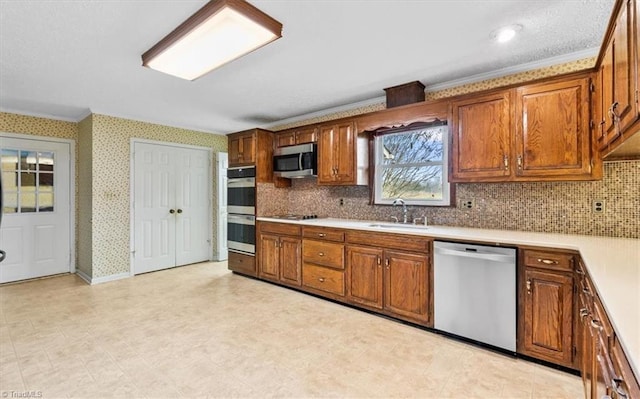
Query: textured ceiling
column 68, row 58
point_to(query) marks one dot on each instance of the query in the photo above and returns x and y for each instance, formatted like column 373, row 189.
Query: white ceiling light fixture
column 506, row 33
column 220, row 32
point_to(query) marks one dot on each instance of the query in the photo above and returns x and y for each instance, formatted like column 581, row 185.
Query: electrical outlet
column 597, row 206
column 467, row 204
column 341, row 201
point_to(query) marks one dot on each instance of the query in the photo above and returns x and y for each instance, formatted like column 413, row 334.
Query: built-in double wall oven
column 241, row 208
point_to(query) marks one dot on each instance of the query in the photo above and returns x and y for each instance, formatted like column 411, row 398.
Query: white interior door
column 154, row 199
column 192, row 206
column 171, row 206
column 223, row 164
column 36, row 226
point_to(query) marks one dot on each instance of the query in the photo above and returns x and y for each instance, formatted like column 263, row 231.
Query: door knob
column 179, row 210
column 172, row 211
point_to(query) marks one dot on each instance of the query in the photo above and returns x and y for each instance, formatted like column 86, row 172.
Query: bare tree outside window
column 412, row 165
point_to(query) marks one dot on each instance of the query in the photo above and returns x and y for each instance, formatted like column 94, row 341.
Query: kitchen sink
column 398, row 226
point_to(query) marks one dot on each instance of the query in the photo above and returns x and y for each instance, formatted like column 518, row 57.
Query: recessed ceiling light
column 506, row 33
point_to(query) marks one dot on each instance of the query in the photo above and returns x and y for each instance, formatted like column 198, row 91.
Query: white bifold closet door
column 171, row 206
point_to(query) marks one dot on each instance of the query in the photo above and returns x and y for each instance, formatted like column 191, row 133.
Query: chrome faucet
column 404, row 208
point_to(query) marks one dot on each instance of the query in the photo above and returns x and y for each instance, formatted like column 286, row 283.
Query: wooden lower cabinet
column 395, row 281
column 548, row 316
column 279, row 257
column 243, row 264
column 364, row 276
column 546, row 306
column 605, row 370
column 405, row 284
column 323, row 279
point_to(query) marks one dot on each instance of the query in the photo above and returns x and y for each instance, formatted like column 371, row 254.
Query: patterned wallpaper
column 549, row 207
column 526, row 76
column 110, row 191
column 102, row 179
column 84, row 199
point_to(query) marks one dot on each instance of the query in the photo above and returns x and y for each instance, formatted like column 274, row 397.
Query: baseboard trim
column 100, row 280
column 83, row 276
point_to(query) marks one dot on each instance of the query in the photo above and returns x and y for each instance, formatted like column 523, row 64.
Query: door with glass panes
column 36, row 226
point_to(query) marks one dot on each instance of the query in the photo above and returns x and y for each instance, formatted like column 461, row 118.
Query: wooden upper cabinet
column 337, row 154
column 618, row 80
column 300, row 135
column 623, row 109
column 552, row 129
column 286, row 138
column 481, row 131
column 253, row 147
column 242, row 148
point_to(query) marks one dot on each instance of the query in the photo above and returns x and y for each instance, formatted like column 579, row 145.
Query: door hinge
column 592, row 87
column 636, row 96
column 575, row 351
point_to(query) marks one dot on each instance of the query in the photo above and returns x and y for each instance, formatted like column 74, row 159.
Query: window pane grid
column 28, row 178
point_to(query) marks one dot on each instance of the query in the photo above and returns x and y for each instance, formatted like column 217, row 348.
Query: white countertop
column 612, row 263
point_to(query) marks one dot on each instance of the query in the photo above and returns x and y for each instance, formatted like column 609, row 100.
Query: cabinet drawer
column 625, row 382
column 386, row 240
column 322, row 233
column 323, row 253
column 323, row 279
column 280, row 228
column 240, row 263
column 548, row 260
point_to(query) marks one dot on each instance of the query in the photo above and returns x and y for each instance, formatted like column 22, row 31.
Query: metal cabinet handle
column 519, row 160
column 321, row 235
column 596, row 324
column 505, row 159
column 529, row 287
column 321, row 279
column 580, row 271
column 379, row 260
column 615, row 383
column 179, row 210
column 386, row 262
column 320, row 253
column 548, row 261
column 584, row 312
column 172, row 211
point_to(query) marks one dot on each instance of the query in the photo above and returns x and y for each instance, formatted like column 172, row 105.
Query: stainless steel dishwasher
column 475, row 292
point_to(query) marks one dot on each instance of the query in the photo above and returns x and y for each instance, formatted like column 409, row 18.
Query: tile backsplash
column 551, row 207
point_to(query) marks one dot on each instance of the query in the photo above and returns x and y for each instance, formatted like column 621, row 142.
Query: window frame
column 377, row 165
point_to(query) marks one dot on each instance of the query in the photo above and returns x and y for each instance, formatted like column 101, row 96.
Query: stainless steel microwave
column 296, row 161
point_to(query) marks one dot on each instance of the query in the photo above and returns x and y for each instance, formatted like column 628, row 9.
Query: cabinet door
column 248, row 154
column 406, row 284
column 481, row 131
column 290, row 260
column 624, row 71
column 364, row 276
column 234, row 151
column 587, row 353
column 548, row 305
column 269, row 257
column 336, row 154
column 607, row 131
column 242, row 149
column 327, row 142
column 552, row 131
column 307, row 135
column 284, row 139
